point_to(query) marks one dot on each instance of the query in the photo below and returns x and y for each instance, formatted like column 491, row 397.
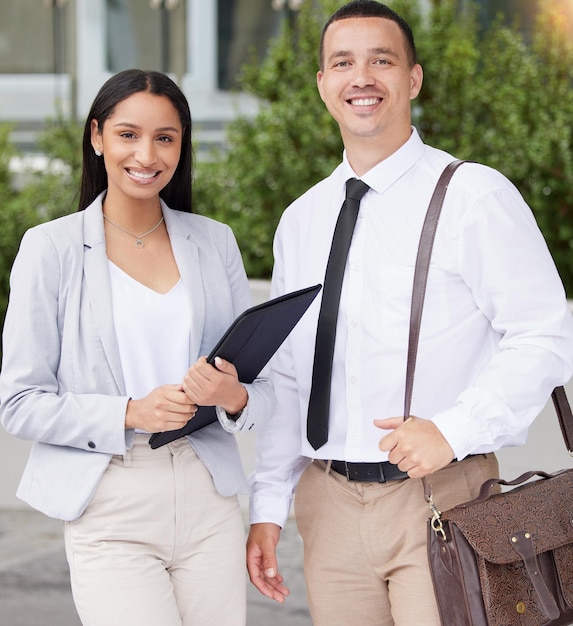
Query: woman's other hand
column 166, row 408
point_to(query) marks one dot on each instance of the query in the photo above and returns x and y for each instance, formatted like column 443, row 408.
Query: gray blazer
column 61, row 384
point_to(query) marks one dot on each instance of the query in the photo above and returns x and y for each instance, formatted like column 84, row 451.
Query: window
column 147, row 34
column 244, row 26
column 519, row 12
column 32, row 37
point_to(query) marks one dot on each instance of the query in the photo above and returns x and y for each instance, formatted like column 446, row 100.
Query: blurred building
column 55, row 54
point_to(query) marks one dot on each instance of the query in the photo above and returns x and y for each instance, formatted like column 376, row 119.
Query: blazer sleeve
column 46, row 393
column 261, row 401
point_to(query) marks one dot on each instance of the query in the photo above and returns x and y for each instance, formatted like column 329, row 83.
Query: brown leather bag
column 506, row 559
column 503, row 559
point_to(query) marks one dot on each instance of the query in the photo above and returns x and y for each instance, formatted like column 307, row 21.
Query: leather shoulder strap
column 421, row 274
column 559, row 397
column 563, row 409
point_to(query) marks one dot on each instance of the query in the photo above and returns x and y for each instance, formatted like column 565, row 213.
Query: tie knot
column 355, row 189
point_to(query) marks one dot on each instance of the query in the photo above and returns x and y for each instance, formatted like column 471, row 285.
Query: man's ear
column 319, row 76
column 416, row 80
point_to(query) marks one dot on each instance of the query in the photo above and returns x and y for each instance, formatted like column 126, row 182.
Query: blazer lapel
column 97, row 279
column 186, row 253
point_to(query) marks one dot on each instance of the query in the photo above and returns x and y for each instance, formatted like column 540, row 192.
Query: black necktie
column 319, row 403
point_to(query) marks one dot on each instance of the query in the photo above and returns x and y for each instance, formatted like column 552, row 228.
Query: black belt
column 368, row 472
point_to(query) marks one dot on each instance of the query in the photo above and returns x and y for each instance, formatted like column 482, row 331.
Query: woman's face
column 141, row 145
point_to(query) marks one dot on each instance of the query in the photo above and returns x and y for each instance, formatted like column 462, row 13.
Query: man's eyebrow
column 386, row 51
column 339, row 54
column 344, row 54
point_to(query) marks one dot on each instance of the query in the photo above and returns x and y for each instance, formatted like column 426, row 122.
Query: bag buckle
column 436, row 521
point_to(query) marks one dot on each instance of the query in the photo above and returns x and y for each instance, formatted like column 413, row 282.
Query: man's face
column 367, row 83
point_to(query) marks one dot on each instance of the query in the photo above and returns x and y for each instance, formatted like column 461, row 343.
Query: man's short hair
column 371, row 8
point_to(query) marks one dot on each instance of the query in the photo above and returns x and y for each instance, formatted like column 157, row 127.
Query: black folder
column 249, row 343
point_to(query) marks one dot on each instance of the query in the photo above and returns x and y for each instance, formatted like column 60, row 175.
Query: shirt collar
column 387, row 172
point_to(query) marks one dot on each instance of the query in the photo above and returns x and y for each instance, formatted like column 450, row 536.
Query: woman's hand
column 166, row 408
column 206, row 385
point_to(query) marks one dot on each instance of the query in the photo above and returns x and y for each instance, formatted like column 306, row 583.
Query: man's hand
column 262, row 561
column 415, row 445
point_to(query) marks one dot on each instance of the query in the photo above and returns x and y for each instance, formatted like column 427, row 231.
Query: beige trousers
column 158, row 546
column 365, row 556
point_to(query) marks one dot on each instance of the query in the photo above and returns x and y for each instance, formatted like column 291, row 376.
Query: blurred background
column 497, row 89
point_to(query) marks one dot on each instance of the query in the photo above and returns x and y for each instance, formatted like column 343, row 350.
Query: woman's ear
column 96, row 137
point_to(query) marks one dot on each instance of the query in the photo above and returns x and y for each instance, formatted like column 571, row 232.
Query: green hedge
column 489, row 98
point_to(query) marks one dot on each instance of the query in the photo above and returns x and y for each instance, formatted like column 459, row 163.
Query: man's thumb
column 390, row 423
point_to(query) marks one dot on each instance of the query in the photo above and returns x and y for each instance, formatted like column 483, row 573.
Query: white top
column 152, row 333
column 496, row 334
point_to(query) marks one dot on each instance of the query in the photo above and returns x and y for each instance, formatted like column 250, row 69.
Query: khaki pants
column 158, row 546
column 365, row 556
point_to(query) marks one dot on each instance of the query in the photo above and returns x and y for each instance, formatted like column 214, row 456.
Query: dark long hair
column 177, row 193
column 371, row 8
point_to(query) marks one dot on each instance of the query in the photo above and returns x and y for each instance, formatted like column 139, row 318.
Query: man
column 496, row 338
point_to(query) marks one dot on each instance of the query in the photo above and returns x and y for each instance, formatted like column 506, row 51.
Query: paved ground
column 34, row 579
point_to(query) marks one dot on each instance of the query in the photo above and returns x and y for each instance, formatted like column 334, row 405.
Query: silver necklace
column 138, row 238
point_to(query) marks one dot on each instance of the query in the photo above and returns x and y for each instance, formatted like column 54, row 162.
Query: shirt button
column 91, row 444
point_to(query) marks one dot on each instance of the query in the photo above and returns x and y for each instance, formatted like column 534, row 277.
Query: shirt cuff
column 269, row 508
column 232, row 425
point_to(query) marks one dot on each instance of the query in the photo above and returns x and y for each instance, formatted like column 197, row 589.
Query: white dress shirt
column 496, row 334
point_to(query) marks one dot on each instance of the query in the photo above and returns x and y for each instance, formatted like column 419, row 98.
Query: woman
column 108, row 309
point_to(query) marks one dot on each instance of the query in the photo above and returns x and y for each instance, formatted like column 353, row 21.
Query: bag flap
column 543, row 508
